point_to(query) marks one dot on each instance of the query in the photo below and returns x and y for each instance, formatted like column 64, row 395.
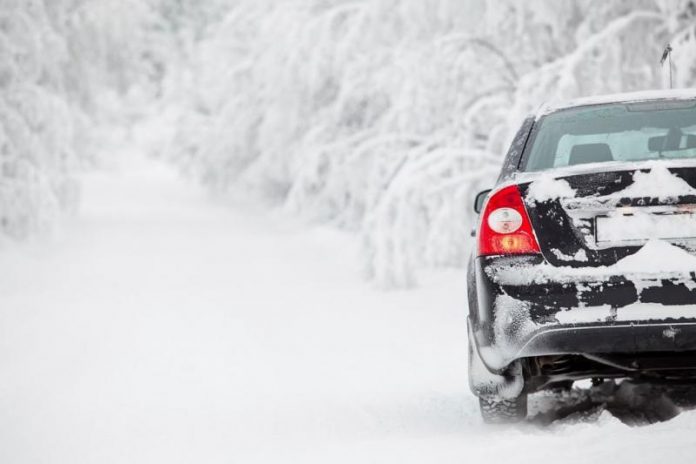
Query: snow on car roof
column 673, row 94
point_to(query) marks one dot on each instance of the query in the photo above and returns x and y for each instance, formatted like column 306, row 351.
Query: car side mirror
column 480, row 200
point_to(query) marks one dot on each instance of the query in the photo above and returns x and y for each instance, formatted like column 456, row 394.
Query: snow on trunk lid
column 598, row 218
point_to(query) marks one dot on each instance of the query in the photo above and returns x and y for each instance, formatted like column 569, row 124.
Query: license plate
column 641, row 227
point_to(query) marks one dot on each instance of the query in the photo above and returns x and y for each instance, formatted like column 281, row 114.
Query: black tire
column 496, row 410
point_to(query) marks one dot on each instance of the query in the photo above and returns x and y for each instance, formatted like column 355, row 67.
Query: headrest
column 665, row 143
column 590, row 153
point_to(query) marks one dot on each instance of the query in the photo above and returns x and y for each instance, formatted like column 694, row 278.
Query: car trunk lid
column 596, row 218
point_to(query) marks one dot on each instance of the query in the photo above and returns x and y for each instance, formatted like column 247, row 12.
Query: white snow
column 580, row 255
column 630, row 313
column 625, row 97
column 651, row 311
column 659, row 257
column 584, row 315
column 548, row 188
column 650, row 179
column 161, row 327
column 658, row 182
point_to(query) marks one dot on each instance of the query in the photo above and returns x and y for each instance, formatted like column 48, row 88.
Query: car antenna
column 667, row 56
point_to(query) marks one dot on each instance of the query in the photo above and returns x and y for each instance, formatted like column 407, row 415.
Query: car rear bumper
column 611, row 338
column 550, row 340
column 517, row 316
column 550, row 289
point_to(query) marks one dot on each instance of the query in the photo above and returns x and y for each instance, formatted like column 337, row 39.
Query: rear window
column 614, row 132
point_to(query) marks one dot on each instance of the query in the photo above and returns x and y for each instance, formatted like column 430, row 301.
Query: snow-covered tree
column 64, row 65
column 38, row 127
column 387, row 116
column 383, row 117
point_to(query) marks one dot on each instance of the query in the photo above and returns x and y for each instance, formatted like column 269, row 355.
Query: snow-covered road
column 161, row 327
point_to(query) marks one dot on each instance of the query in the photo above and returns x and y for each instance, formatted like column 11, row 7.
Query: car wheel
column 496, row 410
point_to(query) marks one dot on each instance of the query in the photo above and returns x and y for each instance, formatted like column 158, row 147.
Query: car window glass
column 622, row 132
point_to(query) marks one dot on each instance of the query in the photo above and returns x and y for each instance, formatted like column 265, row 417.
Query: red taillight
column 505, row 228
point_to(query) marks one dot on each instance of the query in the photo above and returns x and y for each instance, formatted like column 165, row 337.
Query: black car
column 585, row 258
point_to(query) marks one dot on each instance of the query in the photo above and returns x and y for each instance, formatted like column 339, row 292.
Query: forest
column 382, row 118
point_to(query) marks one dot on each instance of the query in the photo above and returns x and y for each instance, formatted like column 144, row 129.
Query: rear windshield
column 614, row 132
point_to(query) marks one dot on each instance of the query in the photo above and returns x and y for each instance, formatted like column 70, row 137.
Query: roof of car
column 672, row 94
